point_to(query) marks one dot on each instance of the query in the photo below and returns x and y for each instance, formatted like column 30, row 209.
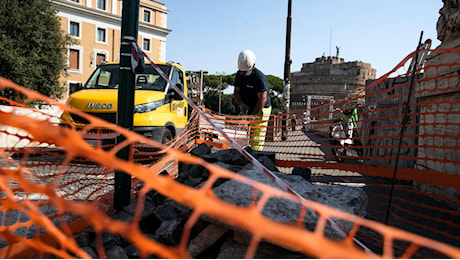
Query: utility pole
column 287, row 74
column 220, row 88
column 201, row 86
column 125, row 115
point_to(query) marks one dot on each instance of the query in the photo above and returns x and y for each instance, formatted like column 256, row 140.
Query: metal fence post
column 129, row 30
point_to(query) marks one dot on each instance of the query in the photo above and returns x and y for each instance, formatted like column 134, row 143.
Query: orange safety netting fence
column 403, row 152
column 55, row 184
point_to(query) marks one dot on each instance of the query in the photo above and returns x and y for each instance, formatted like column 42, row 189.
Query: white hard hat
column 246, row 60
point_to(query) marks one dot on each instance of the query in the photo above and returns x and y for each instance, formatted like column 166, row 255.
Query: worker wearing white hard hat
column 251, row 95
column 246, row 62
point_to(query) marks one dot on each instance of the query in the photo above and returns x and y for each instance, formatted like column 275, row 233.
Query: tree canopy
column 32, row 46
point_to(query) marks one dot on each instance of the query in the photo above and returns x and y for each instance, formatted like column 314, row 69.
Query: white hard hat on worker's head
column 246, row 60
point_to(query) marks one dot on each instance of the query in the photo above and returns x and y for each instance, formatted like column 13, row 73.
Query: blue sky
column 209, row 34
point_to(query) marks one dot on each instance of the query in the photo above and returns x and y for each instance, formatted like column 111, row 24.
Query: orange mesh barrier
column 421, row 194
column 55, row 184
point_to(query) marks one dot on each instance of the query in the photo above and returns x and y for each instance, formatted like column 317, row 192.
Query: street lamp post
column 130, row 28
column 220, row 87
column 287, row 73
column 202, row 73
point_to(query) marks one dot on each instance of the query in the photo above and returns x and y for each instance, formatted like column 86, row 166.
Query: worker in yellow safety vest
column 251, row 95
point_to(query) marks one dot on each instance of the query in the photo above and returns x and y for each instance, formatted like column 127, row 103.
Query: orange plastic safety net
column 56, row 185
column 403, row 152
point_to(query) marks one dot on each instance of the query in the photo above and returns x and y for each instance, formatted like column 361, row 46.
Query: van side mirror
column 173, row 95
column 75, row 87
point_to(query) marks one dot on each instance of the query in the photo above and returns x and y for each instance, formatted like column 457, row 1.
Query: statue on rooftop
column 448, row 25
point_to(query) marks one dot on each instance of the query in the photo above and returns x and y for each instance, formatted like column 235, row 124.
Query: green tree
column 228, row 105
column 275, row 86
column 212, row 81
column 211, row 91
column 32, row 46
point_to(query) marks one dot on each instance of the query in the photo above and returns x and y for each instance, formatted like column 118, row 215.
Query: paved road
column 80, row 181
column 307, row 146
column 410, row 210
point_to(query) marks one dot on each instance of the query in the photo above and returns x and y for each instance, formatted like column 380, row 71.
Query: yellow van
column 160, row 113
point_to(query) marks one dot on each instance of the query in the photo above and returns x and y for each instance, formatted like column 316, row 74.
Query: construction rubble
column 163, row 219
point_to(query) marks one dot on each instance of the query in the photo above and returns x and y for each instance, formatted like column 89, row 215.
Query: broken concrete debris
column 163, row 219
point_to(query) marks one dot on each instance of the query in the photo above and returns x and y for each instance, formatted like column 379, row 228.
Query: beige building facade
column 96, row 26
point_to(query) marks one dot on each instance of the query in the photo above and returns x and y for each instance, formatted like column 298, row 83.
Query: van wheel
column 167, row 136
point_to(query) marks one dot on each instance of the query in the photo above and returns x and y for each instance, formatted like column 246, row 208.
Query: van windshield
column 106, row 77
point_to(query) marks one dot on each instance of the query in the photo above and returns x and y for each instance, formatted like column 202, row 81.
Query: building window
column 74, row 59
column 101, row 35
column 101, row 4
column 74, row 29
column 76, row 1
column 146, row 16
column 146, row 45
column 100, row 58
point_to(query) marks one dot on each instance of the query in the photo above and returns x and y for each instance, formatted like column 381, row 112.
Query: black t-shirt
column 250, row 86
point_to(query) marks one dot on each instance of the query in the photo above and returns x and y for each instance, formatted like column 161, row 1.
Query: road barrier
column 58, row 185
